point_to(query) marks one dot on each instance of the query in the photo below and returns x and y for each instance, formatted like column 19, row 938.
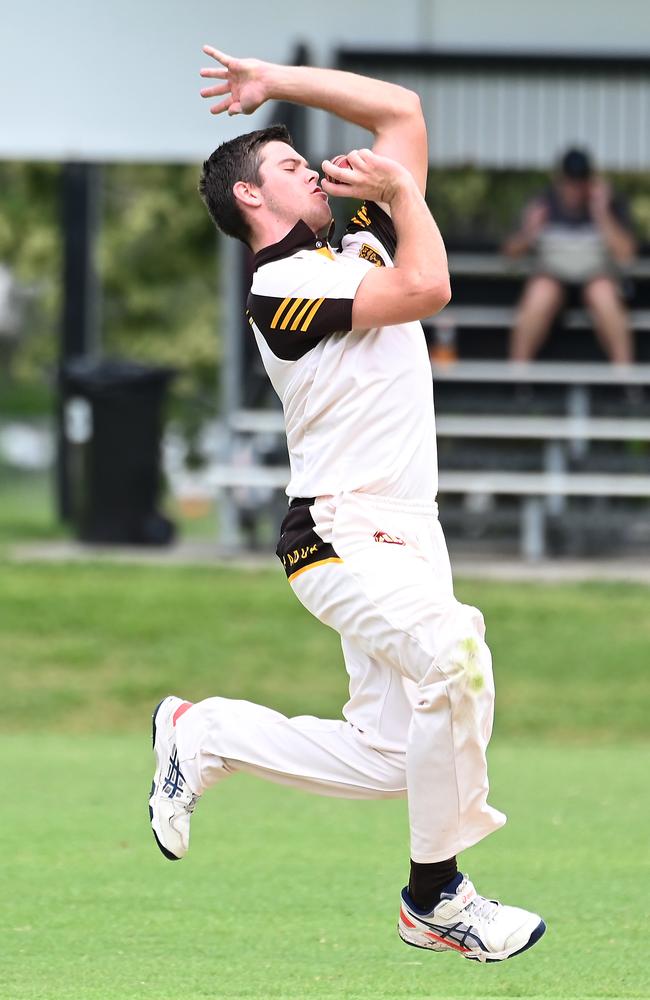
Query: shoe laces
column 191, row 805
column 483, row 909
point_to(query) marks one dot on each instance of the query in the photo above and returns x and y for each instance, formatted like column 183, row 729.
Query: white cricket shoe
column 478, row 928
column 171, row 803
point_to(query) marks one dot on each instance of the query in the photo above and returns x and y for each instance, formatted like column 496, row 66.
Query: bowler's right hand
column 368, row 177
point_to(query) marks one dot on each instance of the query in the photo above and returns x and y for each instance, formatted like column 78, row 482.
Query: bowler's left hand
column 244, row 83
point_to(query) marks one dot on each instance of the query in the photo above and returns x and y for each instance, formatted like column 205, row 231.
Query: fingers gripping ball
column 339, row 161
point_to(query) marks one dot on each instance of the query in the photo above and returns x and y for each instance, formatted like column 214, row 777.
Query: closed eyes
column 292, row 164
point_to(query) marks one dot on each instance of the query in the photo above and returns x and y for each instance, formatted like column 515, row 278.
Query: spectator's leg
column 603, row 301
column 540, row 303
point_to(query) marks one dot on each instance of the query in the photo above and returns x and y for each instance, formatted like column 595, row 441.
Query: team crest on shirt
column 368, row 253
column 383, row 536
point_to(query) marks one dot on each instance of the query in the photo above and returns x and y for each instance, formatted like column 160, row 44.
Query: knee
column 542, row 295
column 600, row 292
column 462, row 654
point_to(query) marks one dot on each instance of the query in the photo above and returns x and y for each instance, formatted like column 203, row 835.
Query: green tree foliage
column 157, row 264
column 477, row 206
column 159, row 267
column 30, row 245
column 159, row 272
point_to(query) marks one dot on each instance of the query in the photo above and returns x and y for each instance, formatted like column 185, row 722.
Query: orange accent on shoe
column 181, row 711
column 405, row 919
column 446, row 941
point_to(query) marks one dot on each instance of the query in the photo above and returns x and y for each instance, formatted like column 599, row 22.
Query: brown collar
column 301, row 237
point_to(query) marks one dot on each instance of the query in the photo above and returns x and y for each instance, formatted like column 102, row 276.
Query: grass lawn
column 28, row 510
column 87, row 648
column 27, row 506
column 284, row 894
column 289, row 895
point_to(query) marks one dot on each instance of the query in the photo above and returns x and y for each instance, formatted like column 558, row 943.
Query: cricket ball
column 340, row 161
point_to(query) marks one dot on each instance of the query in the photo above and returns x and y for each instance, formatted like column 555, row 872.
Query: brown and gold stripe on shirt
column 287, row 309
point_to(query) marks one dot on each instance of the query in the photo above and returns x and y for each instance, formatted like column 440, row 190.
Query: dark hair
column 576, row 165
column 235, row 160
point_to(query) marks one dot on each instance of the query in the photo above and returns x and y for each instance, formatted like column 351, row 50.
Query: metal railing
column 518, row 110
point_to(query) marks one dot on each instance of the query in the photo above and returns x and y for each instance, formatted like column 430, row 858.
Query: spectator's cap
column 576, row 165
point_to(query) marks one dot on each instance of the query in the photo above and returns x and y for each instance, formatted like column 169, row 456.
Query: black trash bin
column 112, row 427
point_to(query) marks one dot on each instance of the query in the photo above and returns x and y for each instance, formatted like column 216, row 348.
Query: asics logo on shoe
column 458, row 936
column 448, row 944
column 174, row 781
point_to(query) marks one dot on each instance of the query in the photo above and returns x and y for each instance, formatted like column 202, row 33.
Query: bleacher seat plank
column 488, row 426
column 496, row 265
column 545, row 484
column 558, row 372
column 497, row 317
column 544, row 428
column 505, row 483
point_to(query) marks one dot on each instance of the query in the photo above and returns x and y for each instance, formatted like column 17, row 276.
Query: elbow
column 409, row 105
column 432, row 294
column 438, row 295
column 413, row 102
column 445, row 294
column 417, row 117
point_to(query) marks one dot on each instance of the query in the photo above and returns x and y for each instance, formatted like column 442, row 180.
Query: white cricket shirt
column 358, row 404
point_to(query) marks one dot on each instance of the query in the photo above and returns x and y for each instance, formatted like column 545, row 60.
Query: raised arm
column 619, row 239
column 523, row 241
column 392, row 113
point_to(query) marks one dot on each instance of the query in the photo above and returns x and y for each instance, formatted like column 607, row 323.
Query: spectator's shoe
column 171, row 803
column 477, row 928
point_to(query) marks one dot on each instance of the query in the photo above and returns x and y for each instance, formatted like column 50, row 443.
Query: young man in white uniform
column 339, row 334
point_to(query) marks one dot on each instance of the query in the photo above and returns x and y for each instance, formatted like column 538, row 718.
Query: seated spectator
column 581, row 234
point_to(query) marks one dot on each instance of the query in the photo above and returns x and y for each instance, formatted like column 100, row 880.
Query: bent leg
column 608, row 314
column 220, row 736
column 396, row 603
column 540, row 303
column 380, row 705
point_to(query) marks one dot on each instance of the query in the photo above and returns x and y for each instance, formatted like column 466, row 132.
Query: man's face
column 574, row 192
column 290, row 188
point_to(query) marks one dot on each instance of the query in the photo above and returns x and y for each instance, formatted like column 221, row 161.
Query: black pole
column 80, row 201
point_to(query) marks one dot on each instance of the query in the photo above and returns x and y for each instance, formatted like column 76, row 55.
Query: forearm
column 518, row 244
column 418, row 285
column 421, row 253
column 619, row 241
column 372, row 104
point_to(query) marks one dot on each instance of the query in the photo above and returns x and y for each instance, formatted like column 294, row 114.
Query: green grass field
column 26, row 506
column 90, row 647
column 288, row 895
column 284, row 894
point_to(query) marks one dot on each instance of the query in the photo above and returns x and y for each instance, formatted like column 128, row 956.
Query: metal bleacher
column 561, row 445
column 565, row 439
column 555, row 454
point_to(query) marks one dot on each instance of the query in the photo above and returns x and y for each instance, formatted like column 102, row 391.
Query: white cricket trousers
column 420, row 711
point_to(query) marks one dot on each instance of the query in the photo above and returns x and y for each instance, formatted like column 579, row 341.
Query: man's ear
column 248, row 194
